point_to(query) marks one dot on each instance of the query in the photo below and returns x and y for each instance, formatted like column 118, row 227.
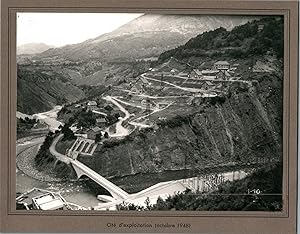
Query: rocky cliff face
column 244, row 128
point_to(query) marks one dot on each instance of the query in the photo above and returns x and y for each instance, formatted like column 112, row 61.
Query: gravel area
column 25, row 163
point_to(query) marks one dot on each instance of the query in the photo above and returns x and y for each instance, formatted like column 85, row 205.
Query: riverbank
column 28, row 177
column 25, row 163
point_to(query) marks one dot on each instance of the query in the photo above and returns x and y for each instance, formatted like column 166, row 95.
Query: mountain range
column 110, row 58
column 33, row 48
column 145, row 36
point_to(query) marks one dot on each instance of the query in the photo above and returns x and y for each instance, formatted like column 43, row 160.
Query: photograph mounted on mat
column 149, row 117
column 161, row 112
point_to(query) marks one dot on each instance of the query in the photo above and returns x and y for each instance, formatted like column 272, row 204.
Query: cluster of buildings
column 41, row 199
column 102, row 120
column 38, row 199
column 221, row 70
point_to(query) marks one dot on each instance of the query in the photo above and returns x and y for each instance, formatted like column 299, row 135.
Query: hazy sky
column 58, row 29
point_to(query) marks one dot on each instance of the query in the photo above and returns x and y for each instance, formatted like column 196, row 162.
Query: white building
column 91, row 105
column 222, row 65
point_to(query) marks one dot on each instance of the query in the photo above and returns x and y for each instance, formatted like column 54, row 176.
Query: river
column 50, row 118
column 73, row 191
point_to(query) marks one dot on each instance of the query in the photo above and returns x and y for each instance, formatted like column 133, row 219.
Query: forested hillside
column 253, row 38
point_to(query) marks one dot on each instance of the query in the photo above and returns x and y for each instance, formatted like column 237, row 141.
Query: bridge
column 116, row 192
column 81, row 169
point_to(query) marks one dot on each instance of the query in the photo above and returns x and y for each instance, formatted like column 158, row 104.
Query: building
column 39, row 199
column 223, row 75
column 91, row 134
column 101, row 122
column 174, row 71
column 91, row 105
column 47, row 201
column 209, row 74
column 195, row 73
column 183, row 74
column 207, row 85
column 222, row 65
column 162, row 104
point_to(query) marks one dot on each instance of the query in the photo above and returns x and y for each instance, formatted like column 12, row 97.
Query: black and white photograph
column 149, row 112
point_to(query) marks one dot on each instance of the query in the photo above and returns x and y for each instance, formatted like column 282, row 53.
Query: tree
column 106, row 135
column 108, row 108
column 86, row 119
column 68, row 133
column 98, row 137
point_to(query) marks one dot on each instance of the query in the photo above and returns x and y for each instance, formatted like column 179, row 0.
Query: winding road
column 120, row 130
column 192, row 90
column 58, row 155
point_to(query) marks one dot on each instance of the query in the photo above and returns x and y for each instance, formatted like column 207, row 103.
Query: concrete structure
column 47, row 201
column 222, row 65
column 40, row 199
column 82, row 146
column 116, row 192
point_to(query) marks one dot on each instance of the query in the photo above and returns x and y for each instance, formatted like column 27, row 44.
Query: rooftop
column 101, row 120
column 96, row 129
column 48, row 202
column 209, row 83
column 197, row 72
column 52, row 205
column 222, row 63
column 42, row 199
column 92, row 103
column 209, row 71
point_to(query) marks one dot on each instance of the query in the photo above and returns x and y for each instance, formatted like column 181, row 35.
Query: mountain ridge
column 32, row 48
column 168, row 31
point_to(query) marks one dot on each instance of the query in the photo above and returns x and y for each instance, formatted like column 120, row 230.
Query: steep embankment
column 243, row 128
